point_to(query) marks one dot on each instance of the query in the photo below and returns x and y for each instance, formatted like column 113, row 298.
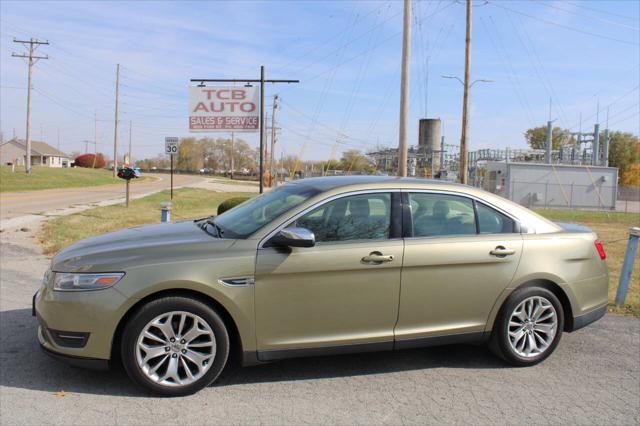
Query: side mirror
column 294, row 237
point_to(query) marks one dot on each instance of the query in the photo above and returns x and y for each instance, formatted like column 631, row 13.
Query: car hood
column 150, row 244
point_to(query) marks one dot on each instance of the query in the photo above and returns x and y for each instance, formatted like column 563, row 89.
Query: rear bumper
column 588, row 318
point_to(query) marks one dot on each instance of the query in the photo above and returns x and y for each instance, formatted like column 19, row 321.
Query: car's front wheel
column 174, row 346
column 529, row 326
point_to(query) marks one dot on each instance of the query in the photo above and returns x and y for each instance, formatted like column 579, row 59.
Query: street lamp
column 465, row 121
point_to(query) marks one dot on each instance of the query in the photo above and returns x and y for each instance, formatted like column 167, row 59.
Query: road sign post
column 627, row 266
column 171, row 147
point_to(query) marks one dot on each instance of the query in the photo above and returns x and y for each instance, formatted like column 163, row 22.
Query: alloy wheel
column 175, row 348
column 532, row 326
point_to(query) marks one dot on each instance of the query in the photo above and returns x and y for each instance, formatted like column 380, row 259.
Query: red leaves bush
column 87, row 160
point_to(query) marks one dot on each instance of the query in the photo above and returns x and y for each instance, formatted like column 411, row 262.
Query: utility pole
column 33, row 45
column 549, row 146
column 605, row 148
column 95, row 139
column 404, row 91
column 115, row 131
column 273, row 140
column 596, row 145
column 465, row 99
column 130, row 130
column 282, row 163
column 233, row 152
column 262, row 81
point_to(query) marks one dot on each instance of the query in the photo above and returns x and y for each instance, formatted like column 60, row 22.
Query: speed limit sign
column 171, row 146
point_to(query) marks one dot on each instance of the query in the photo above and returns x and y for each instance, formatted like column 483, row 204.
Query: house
column 42, row 154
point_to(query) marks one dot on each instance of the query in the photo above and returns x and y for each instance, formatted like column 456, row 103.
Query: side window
column 440, row 214
column 491, row 221
column 357, row 217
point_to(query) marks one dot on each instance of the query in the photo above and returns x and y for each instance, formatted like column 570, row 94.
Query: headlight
column 70, row 282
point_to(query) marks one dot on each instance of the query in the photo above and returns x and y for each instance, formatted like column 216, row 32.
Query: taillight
column 600, row 249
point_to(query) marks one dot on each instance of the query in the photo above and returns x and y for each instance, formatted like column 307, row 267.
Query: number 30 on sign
column 171, row 146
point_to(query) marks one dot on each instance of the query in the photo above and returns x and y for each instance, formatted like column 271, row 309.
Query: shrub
column 87, row 160
column 230, row 203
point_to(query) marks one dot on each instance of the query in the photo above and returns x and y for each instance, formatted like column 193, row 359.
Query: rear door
column 459, row 256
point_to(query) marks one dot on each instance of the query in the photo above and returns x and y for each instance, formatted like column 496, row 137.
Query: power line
column 541, row 74
column 566, row 27
column 605, row 12
column 326, row 42
column 607, row 106
column 595, row 18
column 511, row 74
column 634, row 115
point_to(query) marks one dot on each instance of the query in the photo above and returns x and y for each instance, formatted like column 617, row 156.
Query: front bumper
column 76, row 361
column 78, row 326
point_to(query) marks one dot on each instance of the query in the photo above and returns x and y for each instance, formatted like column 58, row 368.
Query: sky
column 572, row 61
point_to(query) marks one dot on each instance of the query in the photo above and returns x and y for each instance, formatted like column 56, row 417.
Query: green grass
column 48, row 178
column 187, row 204
column 583, row 216
column 222, row 179
column 612, row 228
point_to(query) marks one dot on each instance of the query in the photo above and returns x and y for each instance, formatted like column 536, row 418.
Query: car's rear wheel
column 174, row 346
column 529, row 326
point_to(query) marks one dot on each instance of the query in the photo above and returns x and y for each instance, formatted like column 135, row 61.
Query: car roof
column 328, row 183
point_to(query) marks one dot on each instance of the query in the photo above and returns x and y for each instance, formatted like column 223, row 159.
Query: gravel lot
column 593, row 378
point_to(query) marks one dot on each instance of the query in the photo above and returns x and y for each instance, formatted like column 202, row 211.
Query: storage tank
column 429, row 137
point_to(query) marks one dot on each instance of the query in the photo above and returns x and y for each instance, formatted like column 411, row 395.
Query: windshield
column 248, row 217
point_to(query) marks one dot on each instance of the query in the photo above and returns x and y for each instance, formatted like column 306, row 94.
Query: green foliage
column 354, row 160
column 230, row 203
column 537, row 137
column 623, row 150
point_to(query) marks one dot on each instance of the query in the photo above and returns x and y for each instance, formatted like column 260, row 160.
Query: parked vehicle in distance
column 322, row 266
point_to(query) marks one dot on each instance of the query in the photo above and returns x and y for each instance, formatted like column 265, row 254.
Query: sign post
column 171, row 145
column 221, row 111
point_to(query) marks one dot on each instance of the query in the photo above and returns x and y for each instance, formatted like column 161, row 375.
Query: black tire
column 155, row 308
column 500, row 343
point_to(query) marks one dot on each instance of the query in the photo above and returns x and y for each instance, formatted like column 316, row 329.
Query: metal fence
column 550, row 195
column 629, row 193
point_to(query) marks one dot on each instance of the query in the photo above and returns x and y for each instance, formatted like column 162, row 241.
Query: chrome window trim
column 471, row 197
column 324, row 201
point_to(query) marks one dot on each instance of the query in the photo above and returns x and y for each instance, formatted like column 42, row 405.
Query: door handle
column 377, row 258
column 502, row 251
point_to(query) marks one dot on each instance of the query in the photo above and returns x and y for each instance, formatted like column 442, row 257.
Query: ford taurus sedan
column 321, row 266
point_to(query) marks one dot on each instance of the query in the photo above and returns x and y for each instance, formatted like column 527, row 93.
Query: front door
column 461, row 254
column 344, row 291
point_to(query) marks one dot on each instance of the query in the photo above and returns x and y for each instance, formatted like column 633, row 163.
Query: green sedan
column 321, row 266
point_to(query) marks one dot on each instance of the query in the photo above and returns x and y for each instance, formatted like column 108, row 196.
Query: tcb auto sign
column 224, row 109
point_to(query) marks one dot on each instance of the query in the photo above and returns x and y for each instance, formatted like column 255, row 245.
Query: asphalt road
column 15, row 204
column 593, row 378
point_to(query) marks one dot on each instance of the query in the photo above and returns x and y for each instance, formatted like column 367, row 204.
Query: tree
column 354, row 160
column 537, row 137
column 624, row 152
